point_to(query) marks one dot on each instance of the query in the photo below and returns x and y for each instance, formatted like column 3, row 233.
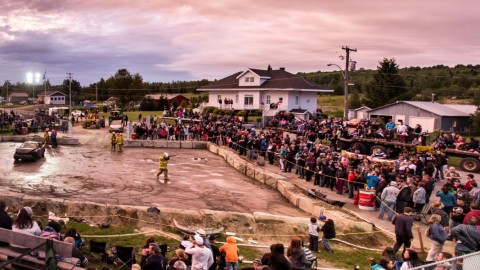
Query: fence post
column 421, row 240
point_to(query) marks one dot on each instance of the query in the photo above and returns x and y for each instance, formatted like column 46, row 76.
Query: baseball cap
column 198, row 239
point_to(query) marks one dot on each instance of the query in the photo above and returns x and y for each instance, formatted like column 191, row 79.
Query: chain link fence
column 465, row 262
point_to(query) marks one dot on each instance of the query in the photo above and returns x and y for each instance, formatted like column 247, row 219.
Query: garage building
column 431, row 116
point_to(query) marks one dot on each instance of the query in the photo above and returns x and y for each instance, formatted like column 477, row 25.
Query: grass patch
column 347, row 259
column 330, row 103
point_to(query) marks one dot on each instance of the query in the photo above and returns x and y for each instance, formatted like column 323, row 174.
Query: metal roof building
column 430, row 115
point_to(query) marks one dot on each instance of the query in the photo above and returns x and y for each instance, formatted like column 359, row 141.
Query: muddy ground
column 91, row 172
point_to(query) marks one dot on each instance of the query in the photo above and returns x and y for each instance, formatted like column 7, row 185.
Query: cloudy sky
column 167, row 40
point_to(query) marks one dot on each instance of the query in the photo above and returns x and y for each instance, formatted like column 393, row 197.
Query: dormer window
column 252, row 79
column 247, row 79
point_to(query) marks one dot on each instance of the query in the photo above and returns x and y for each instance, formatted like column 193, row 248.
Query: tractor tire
column 470, row 164
column 375, row 147
column 360, row 147
column 342, row 145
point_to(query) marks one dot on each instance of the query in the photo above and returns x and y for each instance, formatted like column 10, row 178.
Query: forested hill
column 412, row 83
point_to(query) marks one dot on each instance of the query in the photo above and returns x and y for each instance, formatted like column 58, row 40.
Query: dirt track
column 90, row 172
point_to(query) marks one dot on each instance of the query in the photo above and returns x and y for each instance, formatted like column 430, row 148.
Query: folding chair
column 124, row 258
column 97, row 248
column 425, row 211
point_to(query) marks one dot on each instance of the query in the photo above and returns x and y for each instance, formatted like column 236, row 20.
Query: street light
column 33, row 78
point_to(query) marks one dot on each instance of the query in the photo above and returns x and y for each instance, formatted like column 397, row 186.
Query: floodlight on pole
column 33, row 78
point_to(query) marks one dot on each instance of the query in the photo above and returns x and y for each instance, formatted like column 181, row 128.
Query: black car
column 29, row 150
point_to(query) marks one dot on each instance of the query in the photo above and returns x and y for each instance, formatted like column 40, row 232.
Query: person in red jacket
column 475, row 212
column 470, row 181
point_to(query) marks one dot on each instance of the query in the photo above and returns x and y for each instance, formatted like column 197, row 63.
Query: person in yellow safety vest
column 113, row 142
column 120, row 142
column 162, row 166
column 46, row 137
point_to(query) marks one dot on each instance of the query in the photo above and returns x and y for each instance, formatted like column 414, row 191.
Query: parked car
column 78, row 113
column 29, row 150
column 116, row 115
column 116, row 126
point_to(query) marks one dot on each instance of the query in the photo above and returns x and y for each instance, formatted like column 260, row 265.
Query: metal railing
column 465, row 262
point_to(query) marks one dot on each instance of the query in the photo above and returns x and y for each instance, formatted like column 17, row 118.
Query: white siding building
column 269, row 90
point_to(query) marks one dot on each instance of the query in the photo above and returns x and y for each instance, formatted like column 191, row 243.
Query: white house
column 269, row 90
column 52, row 97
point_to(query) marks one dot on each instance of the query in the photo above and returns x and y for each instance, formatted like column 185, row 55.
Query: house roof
column 168, row 97
column 433, row 107
column 51, row 93
column 299, row 111
column 19, row 94
column 278, row 79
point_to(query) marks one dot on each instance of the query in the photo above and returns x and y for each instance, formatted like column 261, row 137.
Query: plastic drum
column 367, row 200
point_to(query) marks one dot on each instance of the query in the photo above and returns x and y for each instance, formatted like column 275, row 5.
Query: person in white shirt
column 24, row 223
column 389, row 199
column 202, row 257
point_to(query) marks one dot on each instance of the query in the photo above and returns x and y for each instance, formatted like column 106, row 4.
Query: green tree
column 386, row 86
column 125, row 86
column 355, row 100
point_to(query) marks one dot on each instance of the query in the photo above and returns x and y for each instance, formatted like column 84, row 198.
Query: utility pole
column 70, row 125
column 96, row 94
column 70, row 91
column 7, row 82
column 347, row 77
column 44, row 77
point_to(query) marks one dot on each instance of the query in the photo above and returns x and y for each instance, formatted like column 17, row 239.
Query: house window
column 296, row 100
column 247, row 79
column 280, row 100
column 236, row 98
column 248, row 101
column 268, row 99
column 252, row 79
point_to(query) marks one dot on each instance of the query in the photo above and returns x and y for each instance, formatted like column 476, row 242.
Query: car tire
column 470, row 164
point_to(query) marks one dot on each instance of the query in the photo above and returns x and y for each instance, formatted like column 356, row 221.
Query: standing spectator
column 202, row 257
column 436, row 209
column 437, row 235
column 328, row 230
column 296, row 254
column 419, row 197
column 388, row 199
column 403, row 229
column 152, row 259
column 278, row 261
column 468, row 237
column 53, row 137
column 6, row 221
column 474, row 212
column 403, row 196
column 452, row 175
column 179, row 256
column 447, row 198
column 215, row 252
column 231, row 253
column 313, row 231
column 470, row 181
